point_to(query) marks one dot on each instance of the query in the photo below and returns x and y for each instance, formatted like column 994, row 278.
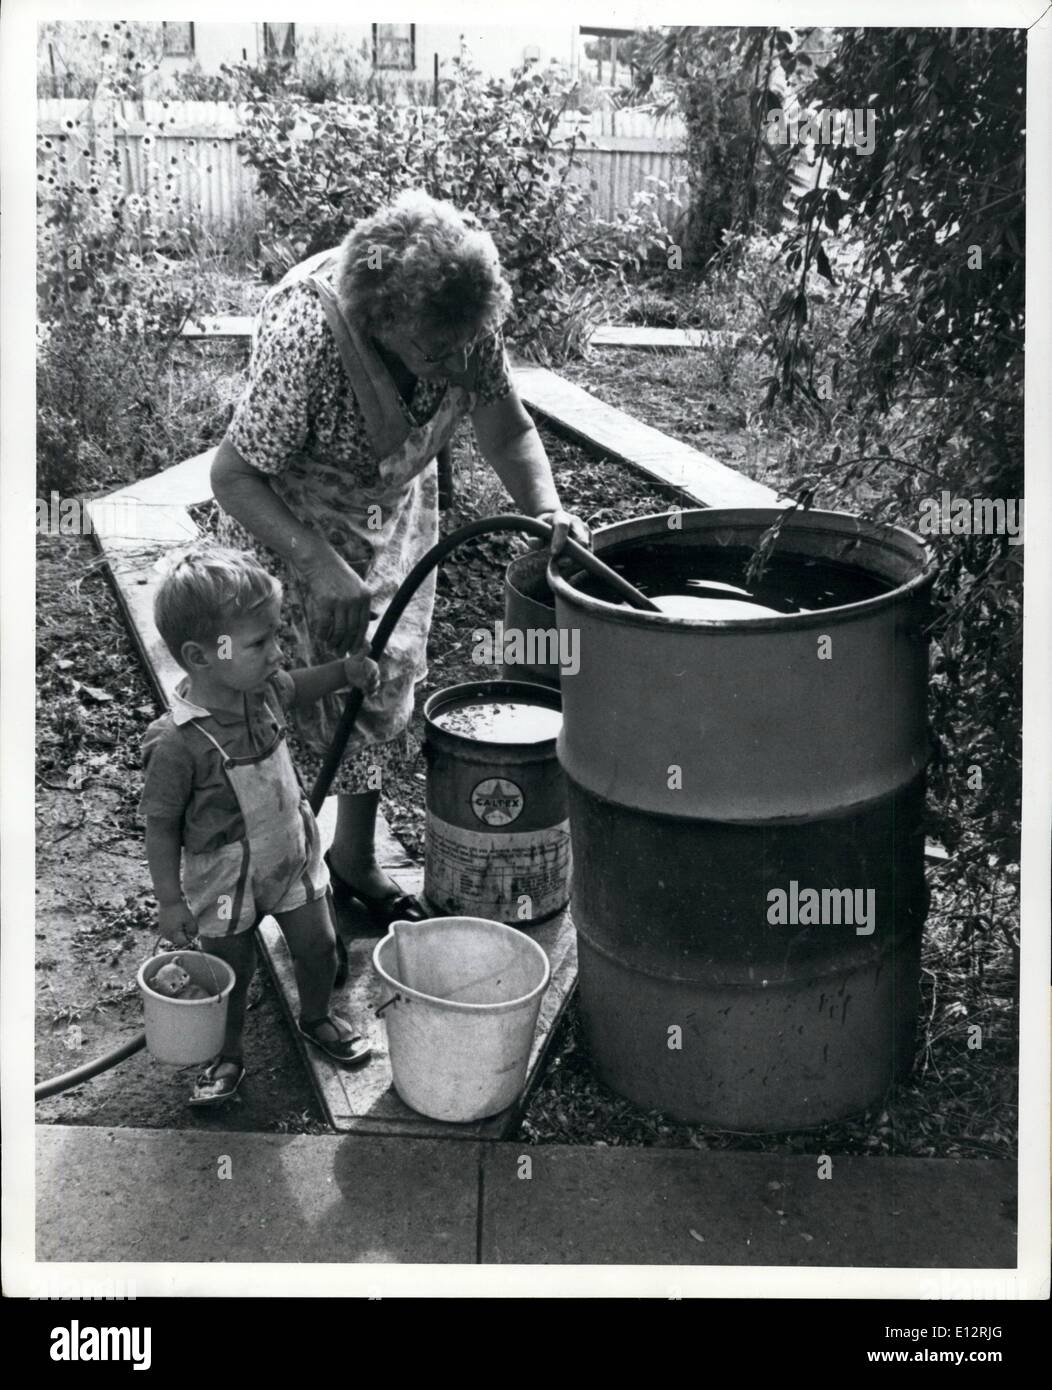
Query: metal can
column 497, row 827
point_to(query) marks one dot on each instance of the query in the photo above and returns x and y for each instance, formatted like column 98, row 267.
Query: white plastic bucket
column 182, row 1031
column 460, row 999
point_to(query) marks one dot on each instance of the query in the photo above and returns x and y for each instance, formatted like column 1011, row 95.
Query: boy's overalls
column 277, row 865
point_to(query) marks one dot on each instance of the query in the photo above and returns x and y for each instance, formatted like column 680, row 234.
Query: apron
column 276, row 866
column 381, row 526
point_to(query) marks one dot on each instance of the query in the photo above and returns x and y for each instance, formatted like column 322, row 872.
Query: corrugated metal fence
column 186, row 152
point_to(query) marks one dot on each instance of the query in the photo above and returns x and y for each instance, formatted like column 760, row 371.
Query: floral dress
column 352, row 460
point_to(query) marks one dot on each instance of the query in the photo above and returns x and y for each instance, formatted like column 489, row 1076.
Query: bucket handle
column 196, row 946
column 393, row 1000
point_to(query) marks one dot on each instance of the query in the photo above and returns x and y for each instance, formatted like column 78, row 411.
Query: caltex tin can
column 497, row 830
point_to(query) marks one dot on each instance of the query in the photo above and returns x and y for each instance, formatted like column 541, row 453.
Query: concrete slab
column 647, row 1206
column 159, row 1195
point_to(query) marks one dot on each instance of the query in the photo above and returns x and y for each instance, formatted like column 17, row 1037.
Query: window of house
column 178, row 40
column 279, row 41
column 394, row 46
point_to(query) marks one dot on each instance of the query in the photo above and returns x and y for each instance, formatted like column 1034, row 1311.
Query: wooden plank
column 609, row 335
column 604, row 429
column 186, row 484
column 135, row 130
column 220, row 326
column 135, row 558
column 640, row 336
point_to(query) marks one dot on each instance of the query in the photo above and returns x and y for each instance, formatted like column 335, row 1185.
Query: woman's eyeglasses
column 458, row 356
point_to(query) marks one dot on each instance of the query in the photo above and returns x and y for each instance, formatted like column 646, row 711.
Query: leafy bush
column 929, row 367
column 493, row 148
column 109, row 309
column 724, row 81
column 891, row 313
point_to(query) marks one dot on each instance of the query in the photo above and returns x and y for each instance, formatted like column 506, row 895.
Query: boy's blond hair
column 206, row 587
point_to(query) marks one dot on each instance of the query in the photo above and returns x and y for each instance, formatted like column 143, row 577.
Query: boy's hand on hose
column 362, row 671
column 175, row 923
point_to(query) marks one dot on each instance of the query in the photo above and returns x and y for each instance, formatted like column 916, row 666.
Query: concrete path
column 158, row 1195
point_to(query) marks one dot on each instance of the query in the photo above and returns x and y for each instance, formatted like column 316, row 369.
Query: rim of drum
column 909, row 547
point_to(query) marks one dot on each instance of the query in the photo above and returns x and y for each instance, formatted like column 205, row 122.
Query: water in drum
column 501, row 721
column 713, row 585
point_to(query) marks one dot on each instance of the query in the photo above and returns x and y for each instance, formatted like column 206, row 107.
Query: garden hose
column 89, row 1069
column 507, row 521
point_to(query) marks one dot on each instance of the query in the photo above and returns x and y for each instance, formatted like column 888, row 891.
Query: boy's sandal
column 347, row 1050
column 210, row 1089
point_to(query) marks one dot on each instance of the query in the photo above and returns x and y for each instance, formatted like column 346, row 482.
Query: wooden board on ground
column 604, row 429
column 134, row 541
column 220, row 326
column 641, row 336
column 234, row 326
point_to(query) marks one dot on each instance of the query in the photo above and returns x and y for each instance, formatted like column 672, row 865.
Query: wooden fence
column 187, row 152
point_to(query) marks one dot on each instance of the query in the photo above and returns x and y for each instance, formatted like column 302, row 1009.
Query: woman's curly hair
column 421, row 265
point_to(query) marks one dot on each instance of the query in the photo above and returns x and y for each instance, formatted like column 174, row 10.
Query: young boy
column 223, row 800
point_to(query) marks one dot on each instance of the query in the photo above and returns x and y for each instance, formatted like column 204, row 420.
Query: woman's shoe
column 396, row 907
column 210, row 1089
column 350, row 1051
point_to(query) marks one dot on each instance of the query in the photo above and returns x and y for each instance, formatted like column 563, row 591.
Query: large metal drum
column 730, row 782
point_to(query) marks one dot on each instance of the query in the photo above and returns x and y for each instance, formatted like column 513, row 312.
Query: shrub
column 497, row 149
column 930, row 366
column 109, row 309
column 724, row 82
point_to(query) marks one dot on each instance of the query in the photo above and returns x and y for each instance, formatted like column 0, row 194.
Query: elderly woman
column 365, row 359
